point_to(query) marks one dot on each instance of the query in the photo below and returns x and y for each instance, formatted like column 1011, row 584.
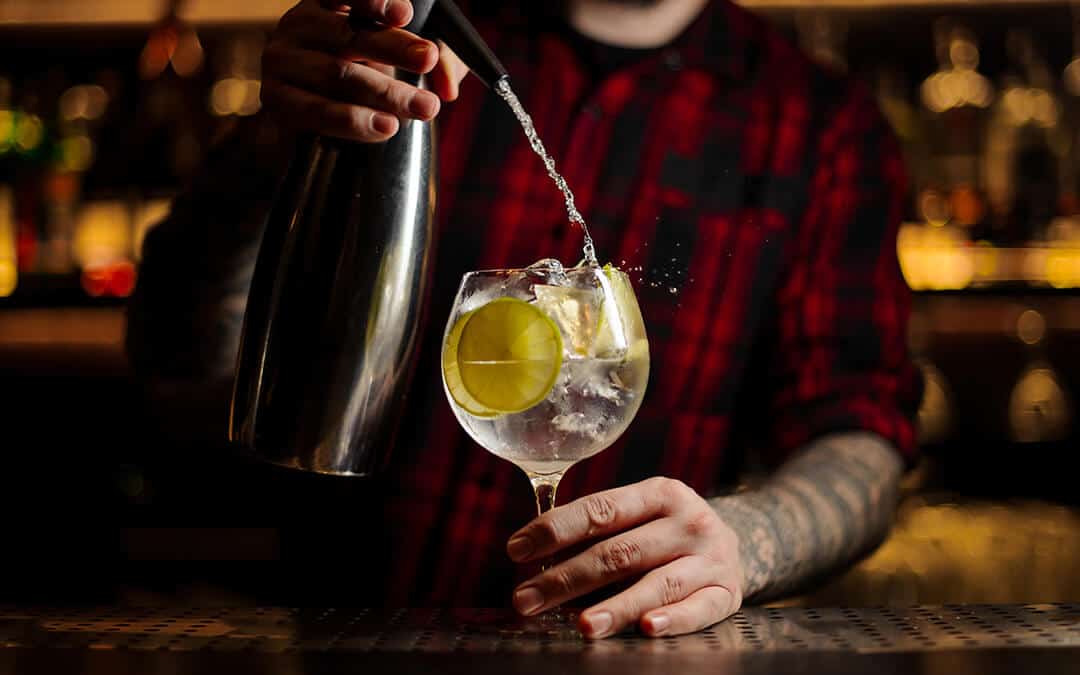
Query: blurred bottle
column 1039, row 407
column 956, row 97
column 1025, row 146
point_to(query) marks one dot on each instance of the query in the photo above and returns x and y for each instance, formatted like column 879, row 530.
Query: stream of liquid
column 502, row 88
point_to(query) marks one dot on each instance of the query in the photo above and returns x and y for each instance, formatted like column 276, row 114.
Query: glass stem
column 545, row 487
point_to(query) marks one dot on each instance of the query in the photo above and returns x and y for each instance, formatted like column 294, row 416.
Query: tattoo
column 833, row 501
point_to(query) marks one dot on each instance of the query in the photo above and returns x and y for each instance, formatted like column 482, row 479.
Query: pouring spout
column 447, row 23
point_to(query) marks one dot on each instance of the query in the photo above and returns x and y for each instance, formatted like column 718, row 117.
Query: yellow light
column 986, row 260
column 1030, row 327
column 9, row 277
column 7, row 129
column 1062, row 267
column 83, row 102
column 251, row 103
column 102, row 233
column 29, row 132
column 148, row 215
column 235, row 96
column 9, row 273
column 77, row 153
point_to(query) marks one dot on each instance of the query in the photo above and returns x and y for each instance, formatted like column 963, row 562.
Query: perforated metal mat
column 275, row 631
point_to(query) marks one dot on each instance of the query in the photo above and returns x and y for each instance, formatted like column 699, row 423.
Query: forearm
column 834, row 500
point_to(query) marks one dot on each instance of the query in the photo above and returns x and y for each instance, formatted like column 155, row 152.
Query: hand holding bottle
column 323, row 73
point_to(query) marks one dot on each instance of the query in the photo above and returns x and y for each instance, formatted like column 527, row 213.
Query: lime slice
column 502, row 358
column 452, row 374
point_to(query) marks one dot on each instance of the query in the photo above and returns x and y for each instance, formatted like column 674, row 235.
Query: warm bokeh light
column 76, row 153
column 235, row 96
column 939, row 258
column 1039, row 410
column 9, row 272
column 102, row 234
column 968, row 553
column 1030, row 327
column 7, row 130
column 29, row 132
column 83, row 102
column 148, row 214
column 1030, row 105
column 935, row 258
column 957, row 83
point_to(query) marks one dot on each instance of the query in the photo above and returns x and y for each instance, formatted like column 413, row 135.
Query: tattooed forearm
column 833, row 501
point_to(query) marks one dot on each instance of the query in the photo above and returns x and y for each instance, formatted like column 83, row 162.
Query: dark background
column 91, row 486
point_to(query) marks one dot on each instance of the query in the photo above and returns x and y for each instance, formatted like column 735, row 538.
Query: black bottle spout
column 444, row 20
column 447, row 23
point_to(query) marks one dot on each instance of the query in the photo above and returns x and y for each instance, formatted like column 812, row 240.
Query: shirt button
column 594, row 111
column 673, row 60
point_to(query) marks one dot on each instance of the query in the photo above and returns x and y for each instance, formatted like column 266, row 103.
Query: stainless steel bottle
column 331, row 327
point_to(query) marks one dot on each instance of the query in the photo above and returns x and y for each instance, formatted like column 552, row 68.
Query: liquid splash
column 502, row 88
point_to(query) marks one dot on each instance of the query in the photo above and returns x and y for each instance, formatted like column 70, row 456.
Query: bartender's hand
column 659, row 528
column 321, row 74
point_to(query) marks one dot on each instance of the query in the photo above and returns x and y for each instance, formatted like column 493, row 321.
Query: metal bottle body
column 333, row 316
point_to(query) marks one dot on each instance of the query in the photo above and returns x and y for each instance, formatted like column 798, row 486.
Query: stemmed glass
column 545, row 366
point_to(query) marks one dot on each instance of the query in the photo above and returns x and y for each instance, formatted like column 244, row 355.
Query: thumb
column 448, row 73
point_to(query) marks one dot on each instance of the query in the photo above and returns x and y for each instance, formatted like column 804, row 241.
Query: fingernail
column 396, row 11
column 519, row 548
column 420, row 52
column 424, row 105
column 383, row 123
column 528, row 600
column 659, row 623
column 598, row 624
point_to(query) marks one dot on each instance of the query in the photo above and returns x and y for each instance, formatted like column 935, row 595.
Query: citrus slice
column 452, row 374
column 617, row 316
column 503, row 357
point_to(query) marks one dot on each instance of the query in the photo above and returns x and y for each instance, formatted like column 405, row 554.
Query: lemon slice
column 503, row 357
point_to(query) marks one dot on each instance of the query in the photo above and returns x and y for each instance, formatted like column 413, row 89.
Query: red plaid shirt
column 765, row 191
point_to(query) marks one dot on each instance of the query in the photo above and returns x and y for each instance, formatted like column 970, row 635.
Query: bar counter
column 953, row 639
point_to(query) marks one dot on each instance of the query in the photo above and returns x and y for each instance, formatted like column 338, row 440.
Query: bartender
column 759, row 196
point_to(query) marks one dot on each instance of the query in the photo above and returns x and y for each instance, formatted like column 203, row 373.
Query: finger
column 327, row 31
column 312, row 112
column 663, row 586
column 448, row 73
column 644, row 548
column 348, row 82
column 700, row 610
column 597, row 515
column 389, row 12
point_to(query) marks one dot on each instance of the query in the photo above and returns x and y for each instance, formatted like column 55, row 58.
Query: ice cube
column 578, row 423
column 552, row 270
column 546, row 264
column 576, row 312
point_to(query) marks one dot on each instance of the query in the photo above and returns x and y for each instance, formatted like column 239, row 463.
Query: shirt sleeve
column 841, row 361
column 185, row 316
